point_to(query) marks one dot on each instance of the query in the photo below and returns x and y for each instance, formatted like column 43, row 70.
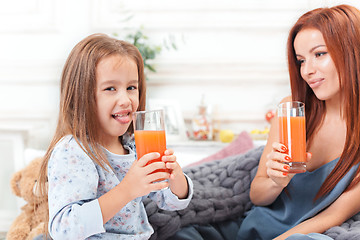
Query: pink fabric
column 241, row 144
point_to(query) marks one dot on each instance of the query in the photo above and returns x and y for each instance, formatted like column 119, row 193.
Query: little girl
column 95, row 183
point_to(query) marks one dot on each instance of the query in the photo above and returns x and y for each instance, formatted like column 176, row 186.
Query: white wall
column 232, row 50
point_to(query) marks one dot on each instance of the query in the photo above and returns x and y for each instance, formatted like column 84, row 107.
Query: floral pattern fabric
column 75, row 184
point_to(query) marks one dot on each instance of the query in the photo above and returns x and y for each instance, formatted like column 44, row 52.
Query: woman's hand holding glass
column 277, row 167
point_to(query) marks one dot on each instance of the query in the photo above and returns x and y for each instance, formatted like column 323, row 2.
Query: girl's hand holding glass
column 141, row 178
column 171, row 164
column 277, row 167
column 177, row 181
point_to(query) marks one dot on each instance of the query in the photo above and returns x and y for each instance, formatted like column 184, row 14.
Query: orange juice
column 293, row 136
column 148, row 141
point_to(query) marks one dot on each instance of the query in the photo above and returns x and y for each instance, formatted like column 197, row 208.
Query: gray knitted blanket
column 221, row 192
column 349, row 230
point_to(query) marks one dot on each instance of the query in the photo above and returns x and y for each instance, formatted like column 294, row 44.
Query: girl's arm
column 180, row 190
column 74, row 212
column 136, row 183
column 338, row 212
column 177, row 182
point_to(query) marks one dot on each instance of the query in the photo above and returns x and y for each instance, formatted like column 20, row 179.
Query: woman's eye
column 132, row 88
column 110, row 89
column 319, row 54
column 300, row 61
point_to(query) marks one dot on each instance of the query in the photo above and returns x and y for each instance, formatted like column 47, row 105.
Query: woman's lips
column 315, row 83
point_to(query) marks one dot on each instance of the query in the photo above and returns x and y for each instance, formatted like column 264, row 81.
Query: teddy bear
column 31, row 221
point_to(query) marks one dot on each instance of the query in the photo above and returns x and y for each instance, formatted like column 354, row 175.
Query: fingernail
column 285, row 173
column 286, row 167
column 283, row 148
column 287, row 158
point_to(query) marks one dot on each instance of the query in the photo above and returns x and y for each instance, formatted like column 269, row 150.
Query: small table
column 191, row 151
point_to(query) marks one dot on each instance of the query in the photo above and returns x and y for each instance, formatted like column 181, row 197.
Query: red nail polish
column 286, row 167
column 287, row 158
column 285, row 173
column 283, row 148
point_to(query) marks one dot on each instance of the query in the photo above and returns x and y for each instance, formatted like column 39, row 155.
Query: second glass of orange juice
column 292, row 133
column 149, row 131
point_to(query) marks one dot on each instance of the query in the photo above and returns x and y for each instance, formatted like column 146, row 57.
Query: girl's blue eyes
column 114, row 89
column 110, row 89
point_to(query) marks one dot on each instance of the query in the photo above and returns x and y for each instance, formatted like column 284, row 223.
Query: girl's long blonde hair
column 77, row 96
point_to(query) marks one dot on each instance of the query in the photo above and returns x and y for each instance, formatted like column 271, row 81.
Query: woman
column 324, row 66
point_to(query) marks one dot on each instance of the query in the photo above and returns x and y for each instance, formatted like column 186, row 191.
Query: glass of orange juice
column 149, row 131
column 292, row 133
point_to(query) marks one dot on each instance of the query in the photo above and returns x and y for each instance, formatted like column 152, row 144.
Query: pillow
column 241, row 144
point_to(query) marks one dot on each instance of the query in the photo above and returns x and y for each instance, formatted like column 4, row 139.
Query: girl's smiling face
column 317, row 67
column 117, row 95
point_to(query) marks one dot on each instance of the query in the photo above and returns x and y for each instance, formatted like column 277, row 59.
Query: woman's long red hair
column 340, row 27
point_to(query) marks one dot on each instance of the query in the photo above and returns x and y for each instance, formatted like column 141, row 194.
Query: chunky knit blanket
column 349, row 230
column 221, row 192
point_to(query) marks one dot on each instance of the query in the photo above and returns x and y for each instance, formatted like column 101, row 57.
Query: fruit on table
column 226, row 136
column 265, row 131
column 255, row 131
column 258, row 134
